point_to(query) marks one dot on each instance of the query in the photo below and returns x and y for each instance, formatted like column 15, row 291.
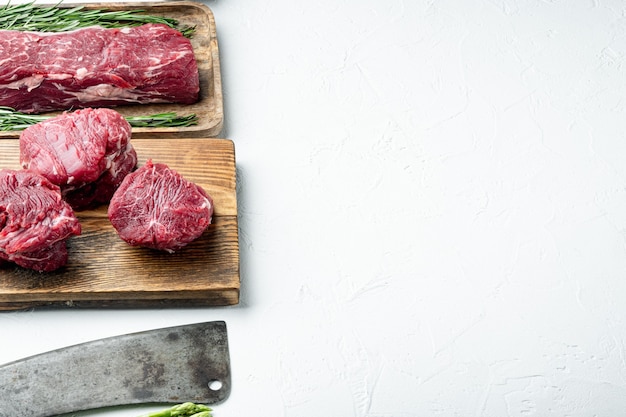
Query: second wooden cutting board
column 104, row 271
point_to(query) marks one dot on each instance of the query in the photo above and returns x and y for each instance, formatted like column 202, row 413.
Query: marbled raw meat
column 156, row 207
column 96, row 67
column 35, row 222
column 86, row 152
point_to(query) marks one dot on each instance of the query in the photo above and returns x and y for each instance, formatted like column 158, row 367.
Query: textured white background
column 432, row 200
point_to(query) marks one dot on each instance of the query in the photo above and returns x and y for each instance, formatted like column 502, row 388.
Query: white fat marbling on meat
column 30, row 83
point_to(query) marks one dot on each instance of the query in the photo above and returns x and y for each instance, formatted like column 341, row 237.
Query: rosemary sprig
column 31, row 17
column 12, row 120
column 169, row 119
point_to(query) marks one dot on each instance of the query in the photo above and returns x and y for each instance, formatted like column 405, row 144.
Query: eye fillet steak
column 156, row 207
column 87, row 153
column 35, row 221
column 96, row 67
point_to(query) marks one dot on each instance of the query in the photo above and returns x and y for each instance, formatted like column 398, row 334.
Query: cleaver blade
column 188, row 363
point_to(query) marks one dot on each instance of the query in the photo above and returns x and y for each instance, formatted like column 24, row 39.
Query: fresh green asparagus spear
column 183, row 410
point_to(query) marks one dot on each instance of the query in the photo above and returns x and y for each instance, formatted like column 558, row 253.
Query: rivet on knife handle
column 168, row 365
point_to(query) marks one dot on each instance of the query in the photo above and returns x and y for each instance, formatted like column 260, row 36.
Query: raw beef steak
column 35, row 222
column 86, row 152
column 157, row 208
column 96, row 67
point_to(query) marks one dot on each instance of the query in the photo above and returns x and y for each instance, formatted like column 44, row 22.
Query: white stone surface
column 432, row 200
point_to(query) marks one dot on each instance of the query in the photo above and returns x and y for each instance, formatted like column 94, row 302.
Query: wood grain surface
column 104, row 271
column 209, row 108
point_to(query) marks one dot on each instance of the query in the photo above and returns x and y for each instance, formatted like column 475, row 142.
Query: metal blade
column 169, row 365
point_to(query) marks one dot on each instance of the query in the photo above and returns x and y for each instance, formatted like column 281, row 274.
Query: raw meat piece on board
column 156, row 207
column 35, row 221
column 86, row 152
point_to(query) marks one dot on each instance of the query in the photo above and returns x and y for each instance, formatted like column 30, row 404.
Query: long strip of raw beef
column 96, row 67
column 86, row 152
column 35, row 221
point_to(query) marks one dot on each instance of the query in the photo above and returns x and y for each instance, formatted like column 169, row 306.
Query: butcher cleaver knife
column 188, row 363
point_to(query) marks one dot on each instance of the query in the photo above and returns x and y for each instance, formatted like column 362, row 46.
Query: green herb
column 170, row 119
column 11, row 120
column 183, row 410
column 14, row 120
column 31, row 17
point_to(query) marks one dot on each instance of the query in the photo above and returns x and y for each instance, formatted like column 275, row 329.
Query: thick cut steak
column 35, row 222
column 157, row 208
column 96, row 67
column 86, row 152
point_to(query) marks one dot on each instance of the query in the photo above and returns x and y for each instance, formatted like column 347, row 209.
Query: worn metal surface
column 169, row 365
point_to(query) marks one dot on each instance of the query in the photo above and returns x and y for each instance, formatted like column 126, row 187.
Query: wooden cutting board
column 104, row 271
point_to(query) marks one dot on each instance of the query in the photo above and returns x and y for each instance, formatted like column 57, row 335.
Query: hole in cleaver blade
column 169, row 365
